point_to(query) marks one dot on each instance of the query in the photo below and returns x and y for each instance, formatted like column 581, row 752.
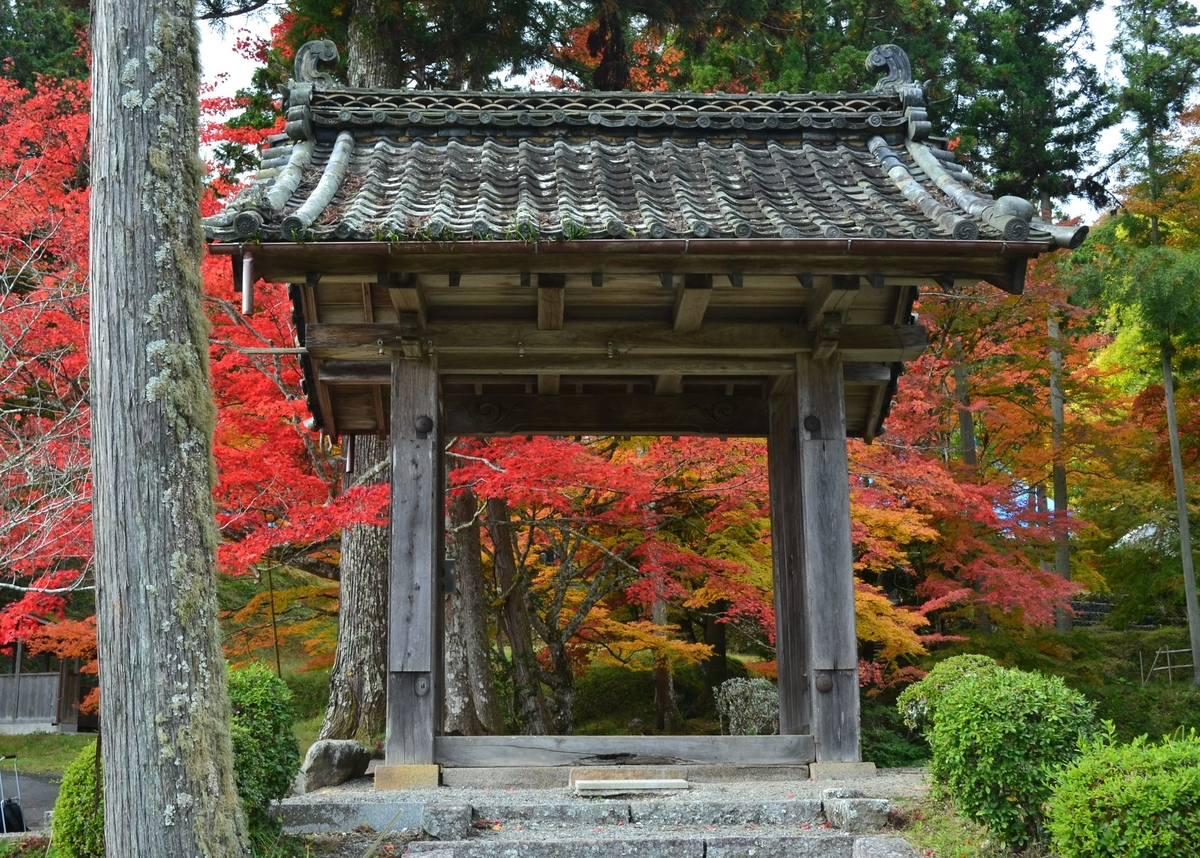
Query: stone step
column 709, row 845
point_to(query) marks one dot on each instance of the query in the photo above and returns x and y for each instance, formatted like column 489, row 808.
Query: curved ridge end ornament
column 309, row 56
column 894, row 61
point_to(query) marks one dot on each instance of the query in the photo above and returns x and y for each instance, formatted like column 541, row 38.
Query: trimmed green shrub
column 310, row 692
column 78, row 827
column 266, row 755
column 998, row 739
column 1139, row 800
column 751, row 706
column 918, row 703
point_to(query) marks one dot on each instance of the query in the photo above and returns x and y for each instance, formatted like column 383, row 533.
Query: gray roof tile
column 401, row 165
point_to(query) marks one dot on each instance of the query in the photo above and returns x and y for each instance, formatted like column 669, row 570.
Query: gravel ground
column 888, row 783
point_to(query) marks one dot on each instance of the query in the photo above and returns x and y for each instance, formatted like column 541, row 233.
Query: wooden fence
column 28, row 697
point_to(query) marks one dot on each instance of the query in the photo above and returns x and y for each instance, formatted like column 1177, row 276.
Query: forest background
column 1027, row 454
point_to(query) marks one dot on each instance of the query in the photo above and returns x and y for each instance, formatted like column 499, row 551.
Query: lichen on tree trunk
column 357, row 707
column 168, row 773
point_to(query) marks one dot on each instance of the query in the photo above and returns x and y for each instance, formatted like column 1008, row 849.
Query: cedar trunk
column 168, row 763
column 357, row 707
column 471, row 705
column 370, row 59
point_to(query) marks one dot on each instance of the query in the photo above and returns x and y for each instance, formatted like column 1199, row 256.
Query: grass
column 935, row 830
column 42, row 753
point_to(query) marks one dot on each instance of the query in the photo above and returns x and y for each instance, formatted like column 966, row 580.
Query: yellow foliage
column 879, row 621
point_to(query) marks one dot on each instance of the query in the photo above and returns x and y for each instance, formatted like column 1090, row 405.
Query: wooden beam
column 478, row 343
column 833, row 294
column 827, row 560
column 487, row 751
column 827, row 336
column 691, row 300
column 866, row 373
column 548, row 384
column 414, row 655
column 668, row 384
column 551, row 301
column 629, row 414
column 407, row 297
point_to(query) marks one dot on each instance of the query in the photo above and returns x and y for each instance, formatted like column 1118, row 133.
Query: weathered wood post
column 813, row 561
column 414, row 635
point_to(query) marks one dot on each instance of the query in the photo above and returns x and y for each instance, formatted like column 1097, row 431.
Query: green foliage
column 998, row 739
column 79, row 811
column 266, row 753
column 751, row 706
column 42, row 37
column 886, row 741
column 1140, row 800
column 310, row 692
column 918, row 703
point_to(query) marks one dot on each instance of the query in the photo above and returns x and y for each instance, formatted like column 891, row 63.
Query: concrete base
column 628, row 773
column 406, row 777
column 624, row 786
column 840, row 771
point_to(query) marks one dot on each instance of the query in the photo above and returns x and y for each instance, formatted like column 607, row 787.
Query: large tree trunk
column 168, row 767
column 1185, row 533
column 357, row 707
column 370, row 59
column 471, row 704
column 529, row 704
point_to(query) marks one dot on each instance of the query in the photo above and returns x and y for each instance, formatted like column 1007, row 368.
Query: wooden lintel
column 484, row 344
column 668, row 384
column 827, row 336
column 831, row 295
column 629, row 414
column 407, row 297
column 866, row 373
column 548, row 384
column 551, row 303
column 691, row 301
column 483, row 751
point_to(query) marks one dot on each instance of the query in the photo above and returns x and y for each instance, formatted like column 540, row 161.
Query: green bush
column 886, row 741
column 78, row 827
column 1139, row 800
column 918, row 703
column 310, row 692
column 997, row 740
column 266, row 755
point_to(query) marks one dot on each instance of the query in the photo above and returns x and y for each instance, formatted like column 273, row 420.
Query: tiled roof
column 379, row 165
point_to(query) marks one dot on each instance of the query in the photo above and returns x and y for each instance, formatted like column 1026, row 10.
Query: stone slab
column 587, row 813
column 623, row 787
column 840, row 771
column 727, row 773
column 627, row 773
column 815, row 846
column 325, row 816
column 447, row 821
column 791, row 812
column 406, row 777
column 886, row 846
column 857, row 814
column 502, row 777
column 642, row 847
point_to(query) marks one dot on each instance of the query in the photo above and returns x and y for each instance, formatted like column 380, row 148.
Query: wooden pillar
column 414, row 623
column 813, row 561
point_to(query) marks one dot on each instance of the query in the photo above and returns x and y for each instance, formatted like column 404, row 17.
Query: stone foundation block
column 406, row 777
column 447, row 821
column 856, row 815
column 627, row 773
column 884, row 847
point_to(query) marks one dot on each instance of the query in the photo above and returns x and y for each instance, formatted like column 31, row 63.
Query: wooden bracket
column 551, row 304
column 406, row 295
column 826, row 342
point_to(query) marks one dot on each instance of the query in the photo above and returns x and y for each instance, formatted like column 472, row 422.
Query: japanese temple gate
column 479, row 264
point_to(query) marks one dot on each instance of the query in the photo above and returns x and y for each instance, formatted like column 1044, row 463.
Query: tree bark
column 471, row 704
column 357, row 707
column 966, row 419
column 1185, row 533
column 168, row 768
column 529, row 703
column 1062, row 538
column 370, row 60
